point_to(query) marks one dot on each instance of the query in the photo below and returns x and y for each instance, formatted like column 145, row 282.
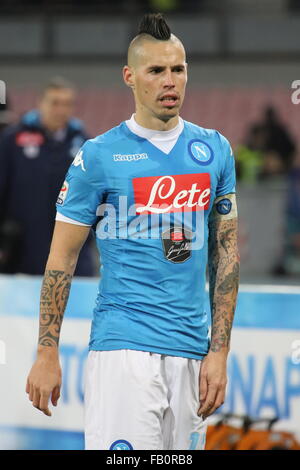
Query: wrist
column 219, row 351
column 47, row 351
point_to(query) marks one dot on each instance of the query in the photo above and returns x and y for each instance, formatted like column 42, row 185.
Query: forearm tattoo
column 54, row 297
column 223, row 279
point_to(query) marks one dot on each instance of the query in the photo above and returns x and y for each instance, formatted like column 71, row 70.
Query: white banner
column 263, row 365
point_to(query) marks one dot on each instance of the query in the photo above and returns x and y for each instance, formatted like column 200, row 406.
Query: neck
column 153, row 122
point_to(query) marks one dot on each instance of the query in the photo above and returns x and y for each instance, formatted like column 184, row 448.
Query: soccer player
column 159, row 193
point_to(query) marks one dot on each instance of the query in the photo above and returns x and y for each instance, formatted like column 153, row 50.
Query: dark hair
column 155, row 25
column 58, row 83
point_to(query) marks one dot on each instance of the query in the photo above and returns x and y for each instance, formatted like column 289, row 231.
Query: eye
column 156, row 70
column 178, row 69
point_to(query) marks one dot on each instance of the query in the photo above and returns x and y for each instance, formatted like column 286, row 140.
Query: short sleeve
column 227, row 181
column 83, row 188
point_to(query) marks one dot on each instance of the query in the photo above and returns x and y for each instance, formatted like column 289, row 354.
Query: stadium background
column 243, row 56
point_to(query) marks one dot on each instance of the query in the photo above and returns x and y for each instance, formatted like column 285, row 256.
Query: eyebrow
column 164, row 66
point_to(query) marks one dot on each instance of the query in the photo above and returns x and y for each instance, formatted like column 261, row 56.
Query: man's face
column 159, row 78
column 57, row 106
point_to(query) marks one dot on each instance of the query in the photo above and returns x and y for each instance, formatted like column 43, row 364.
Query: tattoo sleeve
column 54, row 297
column 223, row 267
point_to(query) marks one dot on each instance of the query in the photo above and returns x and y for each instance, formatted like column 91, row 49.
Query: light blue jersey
column 149, row 211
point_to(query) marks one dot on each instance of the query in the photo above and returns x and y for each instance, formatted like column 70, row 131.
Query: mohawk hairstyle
column 155, row 25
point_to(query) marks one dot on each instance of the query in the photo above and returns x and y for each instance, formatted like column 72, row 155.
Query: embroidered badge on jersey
column 201, row 152
column 63, row 193
column 121, row 444
column 177, row 244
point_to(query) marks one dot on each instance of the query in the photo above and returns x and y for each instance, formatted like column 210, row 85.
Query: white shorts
column 140, row 400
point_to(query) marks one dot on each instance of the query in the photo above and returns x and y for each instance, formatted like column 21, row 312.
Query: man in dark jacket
column 34, row 157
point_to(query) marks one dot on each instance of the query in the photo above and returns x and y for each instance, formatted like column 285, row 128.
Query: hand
column 212, row 383
column 44, row 380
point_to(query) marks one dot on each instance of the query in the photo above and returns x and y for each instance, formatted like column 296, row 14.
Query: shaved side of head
column 137, row 47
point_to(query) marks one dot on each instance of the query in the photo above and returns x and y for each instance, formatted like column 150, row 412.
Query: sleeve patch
column 225, row 206
column 63, row 193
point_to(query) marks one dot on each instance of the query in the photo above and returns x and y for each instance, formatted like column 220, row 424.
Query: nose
column 169, row 79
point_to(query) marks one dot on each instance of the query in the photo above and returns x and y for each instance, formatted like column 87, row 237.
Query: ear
column 186, row 65
column 128, row 76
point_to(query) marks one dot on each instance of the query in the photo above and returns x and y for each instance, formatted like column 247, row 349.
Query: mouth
column 169, row 100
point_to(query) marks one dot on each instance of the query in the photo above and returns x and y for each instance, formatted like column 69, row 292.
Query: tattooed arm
column 54, row 297
column 45, row 376
column 223, row 278
column 223, row 263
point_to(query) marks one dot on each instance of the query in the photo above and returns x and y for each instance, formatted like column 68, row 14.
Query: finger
column 220, row 398
column 36, row 397
column 43, row 405
column 27, row 386
column 30, row 392
column 55, row 396
column 203, row 387
column 210, row 399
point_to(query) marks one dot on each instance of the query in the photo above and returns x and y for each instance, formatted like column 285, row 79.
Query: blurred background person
column 268, row 151
column 279, row 146
column 289, row 264
column 250, row 156
column 34, row 157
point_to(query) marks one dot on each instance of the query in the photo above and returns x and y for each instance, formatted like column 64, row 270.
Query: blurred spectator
column 290, row 262
column 35, row 155
column 250, row 157
column 279, row 145
column 268, row 152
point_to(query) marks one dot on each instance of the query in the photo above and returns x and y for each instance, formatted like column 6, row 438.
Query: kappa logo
column 78, row 160
column 130, row 157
